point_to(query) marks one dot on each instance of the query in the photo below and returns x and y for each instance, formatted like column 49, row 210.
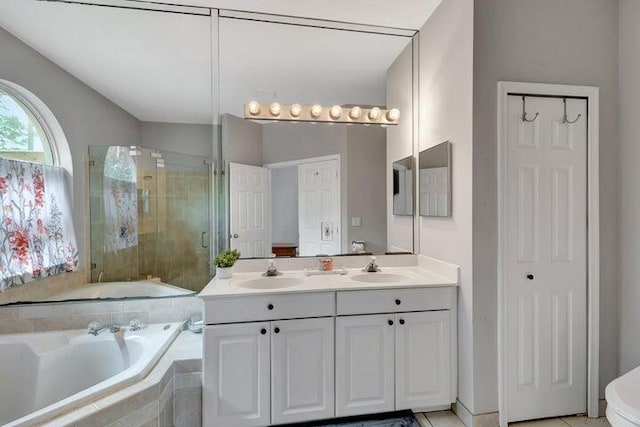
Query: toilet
column 623, row 400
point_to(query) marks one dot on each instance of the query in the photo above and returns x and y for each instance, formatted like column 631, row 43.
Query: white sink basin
column 380, row 278
column 275, row 282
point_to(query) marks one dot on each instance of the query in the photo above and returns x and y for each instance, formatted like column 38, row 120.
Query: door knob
column 234, row 236
column 530, row 276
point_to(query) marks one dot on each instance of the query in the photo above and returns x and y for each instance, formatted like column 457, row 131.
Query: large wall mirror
column 308, row 189
column 132, row 89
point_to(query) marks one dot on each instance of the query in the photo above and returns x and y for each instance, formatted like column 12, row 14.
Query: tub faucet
column 372, row 267
column 96, row 327
column 271, row 270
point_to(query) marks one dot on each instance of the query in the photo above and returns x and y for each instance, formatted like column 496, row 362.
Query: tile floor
column 449, row 419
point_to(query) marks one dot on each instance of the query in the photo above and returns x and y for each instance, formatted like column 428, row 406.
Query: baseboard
column 469, row 420
column 602, row 408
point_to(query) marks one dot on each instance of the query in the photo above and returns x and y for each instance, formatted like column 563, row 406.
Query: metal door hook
column 524, row 112
column 566, row 119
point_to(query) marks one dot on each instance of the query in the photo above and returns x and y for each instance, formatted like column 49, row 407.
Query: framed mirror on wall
column 310, row 187
column 136, row 109
column 434, row 181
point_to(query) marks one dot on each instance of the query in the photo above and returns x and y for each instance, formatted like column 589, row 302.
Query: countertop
column 414, row 277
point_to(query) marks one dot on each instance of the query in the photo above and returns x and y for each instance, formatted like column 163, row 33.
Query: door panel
column 547, row 259
column 423, row 360
column 236, row 375
column 364, row 364
column 250, row 210
column 319, row 208
column 302, row 370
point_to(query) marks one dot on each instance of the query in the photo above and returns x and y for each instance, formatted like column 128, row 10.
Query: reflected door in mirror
column 250, row 210
column 319, row 208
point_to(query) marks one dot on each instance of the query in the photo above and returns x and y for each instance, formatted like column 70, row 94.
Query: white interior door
column 319, row 208
column 250, row 210
column 302, row 374
column 434, row 191
column 546, row 271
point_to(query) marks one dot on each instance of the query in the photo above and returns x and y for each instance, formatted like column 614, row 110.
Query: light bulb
column 274, row 109
column 254, row 108
column 296, row 109
column 355, row 113
column 374, row 113
column 393, row 114
column 316, row 110
column 336, row 112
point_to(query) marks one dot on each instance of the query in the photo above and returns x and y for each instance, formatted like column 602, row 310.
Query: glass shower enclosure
column 150, row 215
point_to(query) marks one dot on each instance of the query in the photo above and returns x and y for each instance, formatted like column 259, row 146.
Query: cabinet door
column 423, row 360
column 364, row 364
column 236, row 375
column 302, row 370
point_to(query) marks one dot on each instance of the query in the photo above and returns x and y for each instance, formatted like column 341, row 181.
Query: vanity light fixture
column 318, row 114
column 275, row 109
column 316, row 110
column 295, row 110
column 374, row 114
column 355, row 113
column 335, row 112
column 253, row 108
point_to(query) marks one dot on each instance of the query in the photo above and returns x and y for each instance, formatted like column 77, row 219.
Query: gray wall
column 182, row 138
column 283, row 142
column 86, row 117
column 446, row 90
column 284, row 204
column 548, row 41
column 366, row 180
column 629, row 157
column 241, row 140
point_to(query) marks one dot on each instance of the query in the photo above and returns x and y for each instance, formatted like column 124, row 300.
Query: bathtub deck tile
column 191, row 380
column 139, row 417
column 148, row 304
column 98, row 308
column 167, row 315
column 53, row 324
column 188, row 366
column 73, row 417
column 125, row 401
column 9, row 313
column 42, row 311
column 12, row 326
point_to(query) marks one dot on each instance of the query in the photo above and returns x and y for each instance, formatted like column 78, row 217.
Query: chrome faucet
column 272, row 271
column 372, row 267
column 96, row 327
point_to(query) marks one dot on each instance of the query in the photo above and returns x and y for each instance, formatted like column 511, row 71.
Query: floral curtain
column 120, row 200
column 37, row 238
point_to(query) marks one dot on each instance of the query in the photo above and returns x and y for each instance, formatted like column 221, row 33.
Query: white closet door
column 319, row 208
column 236, row 375
column 547, row 259
column 365, row 364
column 250, row 210
column 302, row 373
column 423, row 360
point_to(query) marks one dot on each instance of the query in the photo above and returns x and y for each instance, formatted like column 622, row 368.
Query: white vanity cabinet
column 272, row 372
column 286, row 358
column 398, row 360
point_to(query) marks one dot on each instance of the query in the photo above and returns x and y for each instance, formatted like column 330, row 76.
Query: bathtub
column 46, row 374
column 139, row 288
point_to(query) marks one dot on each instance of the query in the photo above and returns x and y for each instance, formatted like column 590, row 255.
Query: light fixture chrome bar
column 319, row 114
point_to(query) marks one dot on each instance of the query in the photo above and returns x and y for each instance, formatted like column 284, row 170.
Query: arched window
column 37, row 238
column 22, row 136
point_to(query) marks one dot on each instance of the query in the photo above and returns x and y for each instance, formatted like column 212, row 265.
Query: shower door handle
column 204, row 240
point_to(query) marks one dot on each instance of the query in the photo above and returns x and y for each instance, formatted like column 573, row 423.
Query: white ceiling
column 157, row 66
column 409, row 14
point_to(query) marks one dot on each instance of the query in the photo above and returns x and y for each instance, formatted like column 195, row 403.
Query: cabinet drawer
column 395, row 300
column 269, row 307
